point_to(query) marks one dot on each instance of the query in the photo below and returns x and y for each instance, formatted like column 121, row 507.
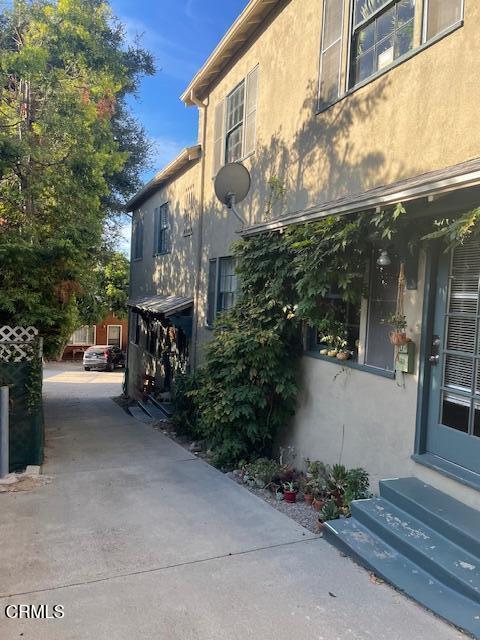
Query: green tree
column 67, row 154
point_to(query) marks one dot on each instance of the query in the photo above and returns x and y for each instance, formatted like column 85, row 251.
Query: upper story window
column 382, row 32
column 235, row 123
column 440, row 15
column 138, row 237
column 161, row 241
column 222, row 287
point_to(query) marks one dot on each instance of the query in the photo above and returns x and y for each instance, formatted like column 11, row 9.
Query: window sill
column 396, row 63
column 351, row 364
column 449, row 469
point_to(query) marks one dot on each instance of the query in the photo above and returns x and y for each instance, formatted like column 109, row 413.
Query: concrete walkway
column 138, row 539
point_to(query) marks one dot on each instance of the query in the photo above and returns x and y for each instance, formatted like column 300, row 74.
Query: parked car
column 103, row 357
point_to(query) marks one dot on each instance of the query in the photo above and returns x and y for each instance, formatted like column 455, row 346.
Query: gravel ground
column 301, row 512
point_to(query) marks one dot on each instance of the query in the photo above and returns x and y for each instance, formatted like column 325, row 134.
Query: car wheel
column 87, row 368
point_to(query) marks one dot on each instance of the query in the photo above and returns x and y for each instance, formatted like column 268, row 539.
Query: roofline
column 236, row 36
column 428, row 185
column 184, row 158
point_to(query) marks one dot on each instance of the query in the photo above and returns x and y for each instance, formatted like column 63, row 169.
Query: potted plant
column 333, row 336
column 290, row 492
column 398, row 335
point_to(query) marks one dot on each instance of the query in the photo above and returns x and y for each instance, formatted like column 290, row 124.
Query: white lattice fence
column 17, row 344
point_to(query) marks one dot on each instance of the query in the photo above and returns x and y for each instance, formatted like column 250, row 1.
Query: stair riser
column 417, row 556
column 449, row 531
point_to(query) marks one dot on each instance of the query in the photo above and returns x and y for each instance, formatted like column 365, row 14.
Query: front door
column 453, row 431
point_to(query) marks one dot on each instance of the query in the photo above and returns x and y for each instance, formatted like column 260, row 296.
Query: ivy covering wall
column 247, row 389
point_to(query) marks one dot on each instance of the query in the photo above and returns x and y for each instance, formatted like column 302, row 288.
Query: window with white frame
column 83, row 336
column 440, row 15
column 161, row 234
column 222, row 287
column 331, row 52
column 381, row 33
column 137, row 240
column 235, row 123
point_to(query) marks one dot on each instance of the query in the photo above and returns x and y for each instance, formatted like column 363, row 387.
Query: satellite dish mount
column 232, row 185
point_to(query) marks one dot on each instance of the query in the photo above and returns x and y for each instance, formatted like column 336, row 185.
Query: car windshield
column 97, row 350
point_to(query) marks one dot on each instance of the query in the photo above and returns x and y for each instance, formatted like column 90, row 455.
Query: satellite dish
column 232, row 184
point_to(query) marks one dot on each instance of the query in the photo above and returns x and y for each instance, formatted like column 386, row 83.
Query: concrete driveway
column 138, row 539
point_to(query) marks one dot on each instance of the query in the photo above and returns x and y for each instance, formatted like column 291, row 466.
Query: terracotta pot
column 343, row 355
column 308, row 497
column 317, row 504
column 290, row 496
column 398, row 338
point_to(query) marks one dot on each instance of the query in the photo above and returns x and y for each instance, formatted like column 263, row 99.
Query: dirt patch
column 25, row 483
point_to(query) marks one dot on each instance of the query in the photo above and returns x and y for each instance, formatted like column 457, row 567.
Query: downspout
column 198, row 272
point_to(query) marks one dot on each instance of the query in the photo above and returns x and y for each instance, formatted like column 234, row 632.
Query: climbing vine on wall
column 247, row 389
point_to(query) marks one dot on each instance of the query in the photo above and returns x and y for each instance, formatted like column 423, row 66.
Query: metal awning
column 161, row 305
column 428, row 185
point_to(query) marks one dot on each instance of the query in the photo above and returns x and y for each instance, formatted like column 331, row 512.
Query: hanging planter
column 398, row 338
column 398, row 321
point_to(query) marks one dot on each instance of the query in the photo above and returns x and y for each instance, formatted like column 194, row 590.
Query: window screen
column 382, row 304
column 138, row 237
column 83, row 336
column 442, row 14
column 331, row 53
column 161, row 232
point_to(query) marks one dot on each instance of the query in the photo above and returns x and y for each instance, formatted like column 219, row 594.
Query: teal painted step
column 432, row 552
column 423, row 542
column 387, row 563
column 451, row 518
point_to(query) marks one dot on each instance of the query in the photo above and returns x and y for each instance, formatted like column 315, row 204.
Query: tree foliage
column 67, row 154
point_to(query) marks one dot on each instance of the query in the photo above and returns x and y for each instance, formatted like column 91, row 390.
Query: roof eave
column 240, row 31
column 187, row 155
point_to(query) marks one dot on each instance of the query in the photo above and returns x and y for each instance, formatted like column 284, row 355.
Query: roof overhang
column 241, row 30
column 181, row 162
column 158, row 305
column 428, row 185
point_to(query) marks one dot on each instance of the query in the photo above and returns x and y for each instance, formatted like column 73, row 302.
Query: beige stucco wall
column 417, row 117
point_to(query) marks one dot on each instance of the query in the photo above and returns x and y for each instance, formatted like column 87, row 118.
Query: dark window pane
column 227, row 285
column 234, row 144
column 476, row 421
column 366, row 8
column 364, row 66
column 455, row 412
column 386, row 24
column 404, row 40
column 365, row 39
column 406, row 11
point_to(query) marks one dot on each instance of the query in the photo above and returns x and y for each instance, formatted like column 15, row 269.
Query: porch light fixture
column 384, row 260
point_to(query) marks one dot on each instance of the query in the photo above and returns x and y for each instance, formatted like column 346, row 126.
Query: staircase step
column 449, row 563
column 368, row 549
column 166, row 407
column 152, row 410
column 451, row 518
column 139, row 414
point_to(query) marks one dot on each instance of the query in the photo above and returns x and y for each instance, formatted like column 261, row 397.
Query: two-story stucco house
column 351, row 105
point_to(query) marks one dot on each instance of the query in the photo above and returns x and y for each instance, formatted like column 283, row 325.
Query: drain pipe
column 4, row 432
column 203, row 106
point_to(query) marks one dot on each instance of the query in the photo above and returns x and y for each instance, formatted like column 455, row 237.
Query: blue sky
column 181, row 34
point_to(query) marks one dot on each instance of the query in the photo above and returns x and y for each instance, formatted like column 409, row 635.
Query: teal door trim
column 424, row 371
